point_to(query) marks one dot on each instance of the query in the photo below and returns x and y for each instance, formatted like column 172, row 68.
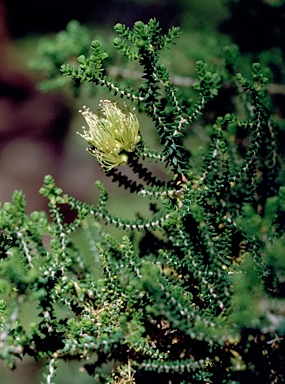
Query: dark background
column 46, row 16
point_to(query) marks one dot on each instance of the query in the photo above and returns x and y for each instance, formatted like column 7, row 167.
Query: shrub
column 193, row 294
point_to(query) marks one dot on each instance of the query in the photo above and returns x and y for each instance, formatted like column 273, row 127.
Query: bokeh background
column 37, row 130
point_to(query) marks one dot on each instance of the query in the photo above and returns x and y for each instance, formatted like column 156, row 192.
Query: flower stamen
column 112, row 134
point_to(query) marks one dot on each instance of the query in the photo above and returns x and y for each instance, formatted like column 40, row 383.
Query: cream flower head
column 113, row 133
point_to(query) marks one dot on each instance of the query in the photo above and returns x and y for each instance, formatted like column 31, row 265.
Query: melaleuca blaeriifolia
column 196, row 292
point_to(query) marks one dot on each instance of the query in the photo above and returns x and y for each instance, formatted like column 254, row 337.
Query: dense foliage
column 194, row 293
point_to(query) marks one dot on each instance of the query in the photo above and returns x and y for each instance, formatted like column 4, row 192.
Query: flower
column 113, row 133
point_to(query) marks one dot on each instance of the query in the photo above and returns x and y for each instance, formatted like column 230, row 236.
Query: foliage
column 194, row 294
